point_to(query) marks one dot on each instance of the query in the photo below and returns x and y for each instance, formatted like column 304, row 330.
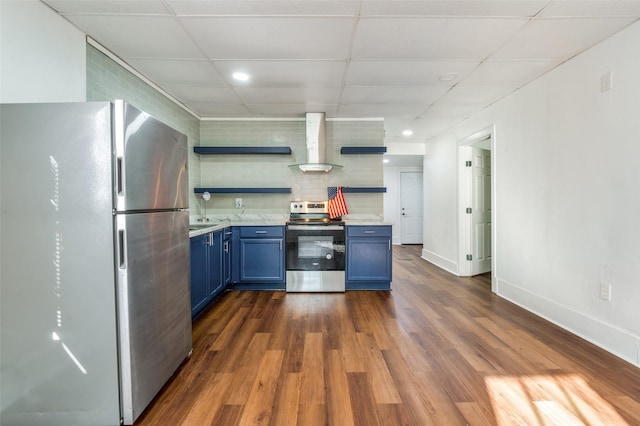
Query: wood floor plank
column 259, row 405
column 362, row 400
column 313, row 386
column 383, row 386
column 287, row 400
column 201, row 412
column 339, row 410
column 436, row 350
column 249, row 368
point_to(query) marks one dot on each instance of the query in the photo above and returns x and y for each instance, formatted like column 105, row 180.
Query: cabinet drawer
column 262, row 232
column 369, row 231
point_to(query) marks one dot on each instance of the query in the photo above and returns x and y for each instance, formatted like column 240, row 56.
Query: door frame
column 465, row 197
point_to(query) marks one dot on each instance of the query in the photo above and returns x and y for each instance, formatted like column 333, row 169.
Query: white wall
column 42, row 56
column 566, row 195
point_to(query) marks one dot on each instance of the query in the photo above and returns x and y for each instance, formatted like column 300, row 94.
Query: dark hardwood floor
column 436, row 350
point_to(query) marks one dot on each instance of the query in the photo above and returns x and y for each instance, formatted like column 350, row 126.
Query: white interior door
column 481, row 212
column 411, row 207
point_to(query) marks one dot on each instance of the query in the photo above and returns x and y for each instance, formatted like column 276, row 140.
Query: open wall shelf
column 371, row 189
column 243, row 190
column 221, row 150
column 363, row 150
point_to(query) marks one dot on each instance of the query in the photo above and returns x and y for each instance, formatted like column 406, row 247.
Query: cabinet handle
column 261, row 232
column 226, row 246
column 210, row 239
column 280, row 245
column 369, row 232
column 389, row 245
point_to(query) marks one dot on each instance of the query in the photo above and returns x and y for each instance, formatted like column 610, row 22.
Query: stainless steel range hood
column 316, row 145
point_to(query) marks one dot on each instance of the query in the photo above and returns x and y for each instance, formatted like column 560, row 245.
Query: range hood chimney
column 316, row 145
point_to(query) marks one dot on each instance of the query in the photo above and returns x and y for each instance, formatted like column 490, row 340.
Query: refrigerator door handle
column 121, row 243
column 119, row 179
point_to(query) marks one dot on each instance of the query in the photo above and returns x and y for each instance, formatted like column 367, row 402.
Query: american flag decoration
column 336, row 205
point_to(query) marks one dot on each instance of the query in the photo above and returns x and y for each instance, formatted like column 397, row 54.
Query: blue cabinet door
column 368, row 258
column 226, row 258
column 262, row 260
column 199, row 273
column 215, row 264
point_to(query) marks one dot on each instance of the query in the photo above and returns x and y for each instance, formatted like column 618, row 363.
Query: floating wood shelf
column 363, row 150
column 217, row 150
column 243, row 190
column 364, row 190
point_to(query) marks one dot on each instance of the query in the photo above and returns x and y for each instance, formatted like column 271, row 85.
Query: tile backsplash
column 253, row 170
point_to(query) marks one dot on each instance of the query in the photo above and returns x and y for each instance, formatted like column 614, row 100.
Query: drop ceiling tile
column 261, row 7
column 285, row 73
column 271, row 38
column 510, row 73
column 380, row 110
column 206, row 109
column 288, row 95
column 138, row 36
column 393, row 95
column 211, row 95
column 432, row 38
column 452, row 8
column 559, row 39
column 406, row 73
column 114, row 7
column 466, row 100
column 591, row 8
column 291, row 110
column 171, row 72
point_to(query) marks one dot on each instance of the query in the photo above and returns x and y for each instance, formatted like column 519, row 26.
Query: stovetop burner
column 314, row 221
column 311, row 213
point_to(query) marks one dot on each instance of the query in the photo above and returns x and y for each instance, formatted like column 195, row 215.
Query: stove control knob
column 328, row 256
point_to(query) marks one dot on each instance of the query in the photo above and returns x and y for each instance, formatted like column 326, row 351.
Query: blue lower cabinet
column 259, row 254
column 226, row 256
column 206, row 270
column 368, row 258
column 199, row 273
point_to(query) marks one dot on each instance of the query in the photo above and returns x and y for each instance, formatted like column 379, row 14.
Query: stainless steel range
column 315, row 249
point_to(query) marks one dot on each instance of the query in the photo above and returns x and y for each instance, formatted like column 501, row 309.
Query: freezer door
column 154, row 303
column 150, row 170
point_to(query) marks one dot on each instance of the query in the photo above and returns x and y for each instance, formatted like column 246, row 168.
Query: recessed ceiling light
column 240, row 76
column 407, row 132
column 385, row 160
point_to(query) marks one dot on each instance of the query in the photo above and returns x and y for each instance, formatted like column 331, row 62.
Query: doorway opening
column 476, row 201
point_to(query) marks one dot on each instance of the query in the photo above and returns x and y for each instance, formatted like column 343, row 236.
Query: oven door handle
column 315, row 227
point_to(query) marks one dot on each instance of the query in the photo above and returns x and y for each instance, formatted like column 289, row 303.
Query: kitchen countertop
column 215, row 225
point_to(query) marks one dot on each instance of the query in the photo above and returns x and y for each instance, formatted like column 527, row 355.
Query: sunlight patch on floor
column 565, row 399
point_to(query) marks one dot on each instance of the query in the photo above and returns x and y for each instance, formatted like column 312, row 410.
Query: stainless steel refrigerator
column 95, row 301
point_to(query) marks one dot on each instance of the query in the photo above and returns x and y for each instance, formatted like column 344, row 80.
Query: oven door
column 315, row 248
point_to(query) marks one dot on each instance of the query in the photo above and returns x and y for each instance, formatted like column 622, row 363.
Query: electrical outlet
column 605, row 292
column 238, row 203
column 606, row 82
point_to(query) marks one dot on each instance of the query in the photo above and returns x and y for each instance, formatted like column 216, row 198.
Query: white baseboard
column 439, row 261
column 620, row 343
